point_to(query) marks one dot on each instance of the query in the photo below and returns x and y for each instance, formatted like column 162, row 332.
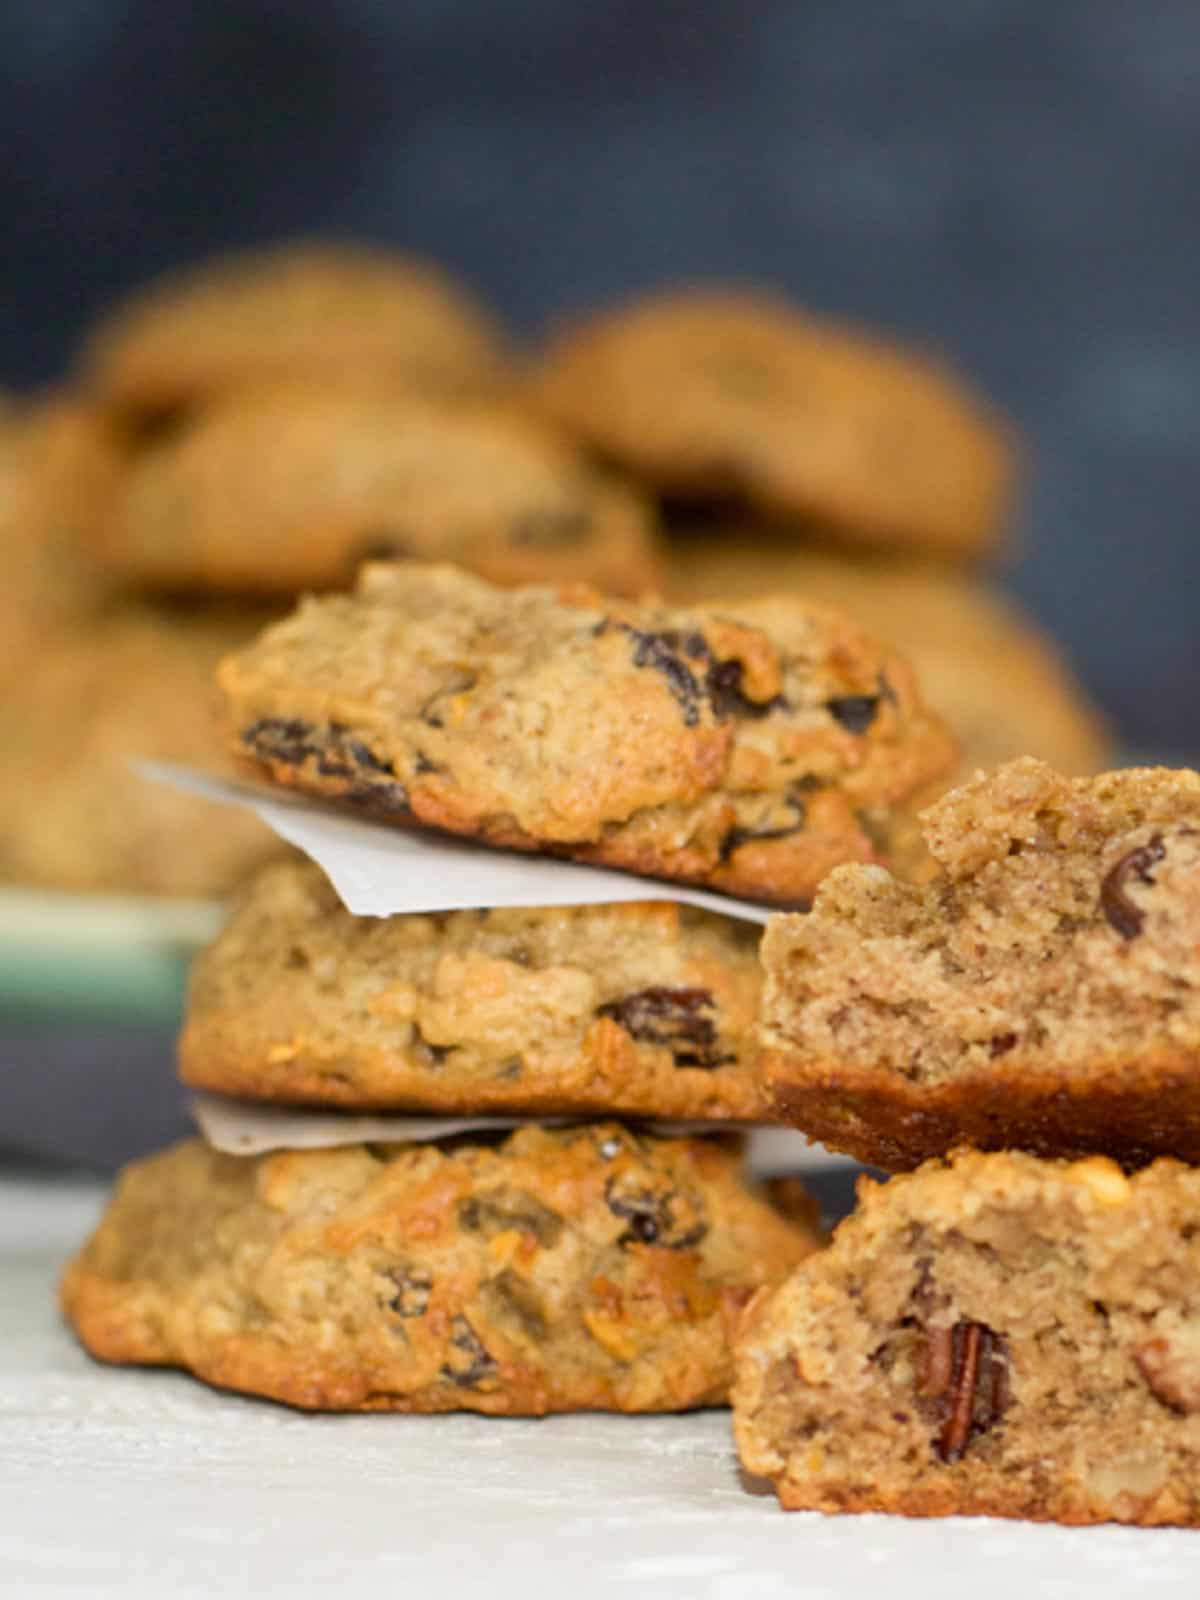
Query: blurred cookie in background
column 737, row 396
column 302, row 309
column 1001, row 684
column 291, row 487
column 60, row 469
column 128, row 684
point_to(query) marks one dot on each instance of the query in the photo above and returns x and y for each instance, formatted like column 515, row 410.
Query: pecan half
column 966, row 1369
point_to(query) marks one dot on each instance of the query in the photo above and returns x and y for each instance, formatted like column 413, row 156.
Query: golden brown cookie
column 587, row 1268
column 726, row 394
column 749, row 748
column 126, row 685
column 630, row 1010
column 303, row 309
column 60, row 471
column 1042, row 993
column 997, row 1336
column 999, row 681
column 290, row 488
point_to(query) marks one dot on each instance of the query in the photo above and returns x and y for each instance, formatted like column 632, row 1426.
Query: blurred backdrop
column 1013, row 181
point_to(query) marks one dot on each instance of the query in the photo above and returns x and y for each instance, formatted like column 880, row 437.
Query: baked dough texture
column 1041, row 993
column 577, row 1269
column 644, row 1009
column 996, row 1335
column 749, row 748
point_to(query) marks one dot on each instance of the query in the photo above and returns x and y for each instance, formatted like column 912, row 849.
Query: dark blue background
column 1015, row 180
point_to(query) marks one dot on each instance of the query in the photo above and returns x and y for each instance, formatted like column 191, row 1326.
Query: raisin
column 500, row 1212
column 855, row 712
column 723, row 682
column 1126, row 918
column 665, row 652
column 1001, row 1044
column 671, row 1018
column 413, row 1290
column 651, row 1216
column 336, row 752
column 470, row 1363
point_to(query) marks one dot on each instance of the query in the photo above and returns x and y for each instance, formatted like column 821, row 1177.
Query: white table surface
column 145, row 1484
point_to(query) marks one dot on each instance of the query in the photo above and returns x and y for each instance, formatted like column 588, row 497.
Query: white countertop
column 118, row 1483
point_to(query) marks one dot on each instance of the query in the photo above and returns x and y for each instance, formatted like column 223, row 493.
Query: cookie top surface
column 286, row 488
column 747, row 748
column 632, row 1010
column 552, row 1270
column 728, row 394
column 1043, row 992
column 294, row 310
column 995, row 1335
column 997, row 678
column 128, row 684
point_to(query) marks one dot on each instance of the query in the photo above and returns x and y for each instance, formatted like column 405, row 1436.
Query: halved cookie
column 1042, row 993
column 996, row 1336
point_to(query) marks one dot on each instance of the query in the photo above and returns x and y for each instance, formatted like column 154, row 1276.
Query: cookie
column 129, row 684
column 1042, row 993
column 996, row 1336
column 291, row 488
column 296, row 310
column 999, row 681
column 748, row 748
column 732, row 395
column 632, row 1010
column 60, row 472
column 587, row 1268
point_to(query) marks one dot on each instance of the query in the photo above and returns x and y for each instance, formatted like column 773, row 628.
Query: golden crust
column 625, row 1010
column 747, row 749
column 565, row 1270
column 720, row 393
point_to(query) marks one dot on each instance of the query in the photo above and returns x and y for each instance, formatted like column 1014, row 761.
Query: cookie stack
column 793, row 454
column 1014, row 1329
column 589, row 1258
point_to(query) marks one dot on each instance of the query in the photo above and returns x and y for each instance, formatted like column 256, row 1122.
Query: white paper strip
column 241, row 1129
column 380, row 871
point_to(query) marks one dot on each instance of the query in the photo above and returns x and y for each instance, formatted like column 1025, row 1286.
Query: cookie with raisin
column 587, row 1268
column 749, row 747
column 737, row 396
column 996, row 1335
column 633, row 1010
column 1002, row 683
column 1042, row 992
column 289, row 488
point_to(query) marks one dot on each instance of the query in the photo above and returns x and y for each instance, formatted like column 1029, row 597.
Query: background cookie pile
column 257, row 427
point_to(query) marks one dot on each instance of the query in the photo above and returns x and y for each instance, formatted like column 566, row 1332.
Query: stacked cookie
column 1014, row 1333
column 579, row 1261
column 797, row 455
